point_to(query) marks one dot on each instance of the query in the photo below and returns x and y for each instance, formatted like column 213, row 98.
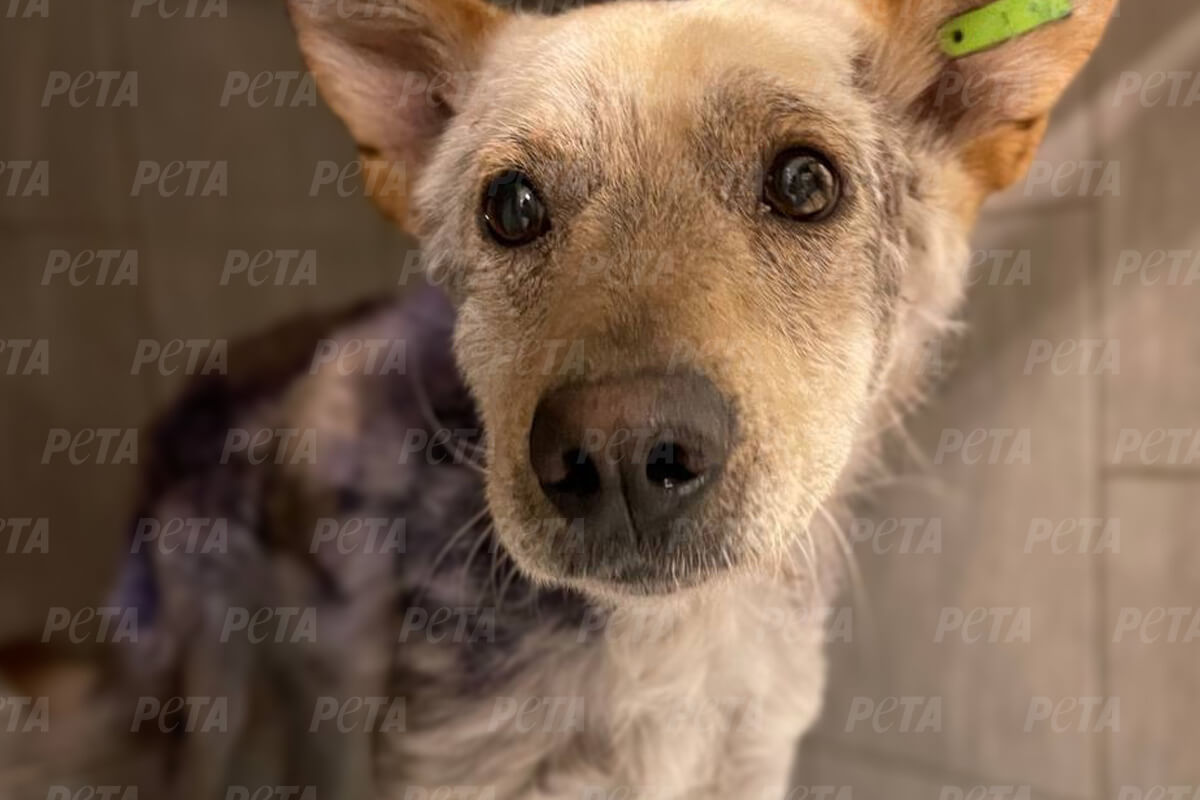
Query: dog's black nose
column 631, row 455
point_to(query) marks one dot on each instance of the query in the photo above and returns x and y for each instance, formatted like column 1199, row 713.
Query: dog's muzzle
column 631, row 459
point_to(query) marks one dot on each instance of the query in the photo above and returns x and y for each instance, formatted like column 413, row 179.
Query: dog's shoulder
column 281, row 501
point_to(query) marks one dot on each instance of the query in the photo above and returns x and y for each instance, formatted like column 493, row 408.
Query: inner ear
column 990, row 105
column 395, row 71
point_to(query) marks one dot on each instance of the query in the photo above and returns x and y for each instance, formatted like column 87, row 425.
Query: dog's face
column 695, row 246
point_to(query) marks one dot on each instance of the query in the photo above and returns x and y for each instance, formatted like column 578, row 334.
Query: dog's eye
column 512, row 209
column 802, row 185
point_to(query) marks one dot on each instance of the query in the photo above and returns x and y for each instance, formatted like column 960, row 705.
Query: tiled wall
column 1089, row 536
column 272, row 145
column 1067, row 263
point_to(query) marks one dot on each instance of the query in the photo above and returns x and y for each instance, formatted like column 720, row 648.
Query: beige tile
column 985, row 512
column 1153, row 634
column 824, row 773
column 86, row 385
column 79, row 134
column 270, row 142
column 1063, row 173
column 1151, row 305
column 830, row 773
column 212, row 286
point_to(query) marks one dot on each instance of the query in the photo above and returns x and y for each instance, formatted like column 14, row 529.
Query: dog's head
column 696, row 246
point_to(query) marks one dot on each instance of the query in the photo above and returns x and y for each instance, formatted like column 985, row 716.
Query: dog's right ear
column 984, row 74
column 395, row 72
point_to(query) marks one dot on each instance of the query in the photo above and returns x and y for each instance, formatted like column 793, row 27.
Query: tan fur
column 647, row 126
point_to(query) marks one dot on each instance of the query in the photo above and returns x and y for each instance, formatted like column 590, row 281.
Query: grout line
column 1038, row 208
column 17, row 224
column 1097, row 311
column 1150, row 472
column 128, row 144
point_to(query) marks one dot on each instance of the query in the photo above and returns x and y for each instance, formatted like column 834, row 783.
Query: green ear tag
column 998, row 22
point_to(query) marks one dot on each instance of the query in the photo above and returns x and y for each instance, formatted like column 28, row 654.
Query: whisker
column 861, row 596
column 431, row 418
column 474, row 520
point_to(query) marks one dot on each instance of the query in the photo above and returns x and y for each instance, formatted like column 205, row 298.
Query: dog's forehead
column 673, row 58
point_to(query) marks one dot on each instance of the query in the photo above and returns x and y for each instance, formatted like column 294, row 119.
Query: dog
column 561, row 524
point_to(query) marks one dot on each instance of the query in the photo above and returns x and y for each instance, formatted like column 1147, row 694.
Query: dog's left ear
column 986, row 80
column 395, row 72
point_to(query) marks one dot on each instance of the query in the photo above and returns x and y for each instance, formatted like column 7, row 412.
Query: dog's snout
column 630, row 455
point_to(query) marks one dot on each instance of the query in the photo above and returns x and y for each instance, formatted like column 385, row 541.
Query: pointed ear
column 992, row 105
column 394, row 71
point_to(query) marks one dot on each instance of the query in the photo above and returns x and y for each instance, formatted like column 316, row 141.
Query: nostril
column 667, row 466
column 579, row 475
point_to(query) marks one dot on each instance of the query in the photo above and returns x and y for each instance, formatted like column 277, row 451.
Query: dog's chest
column 654, row 711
